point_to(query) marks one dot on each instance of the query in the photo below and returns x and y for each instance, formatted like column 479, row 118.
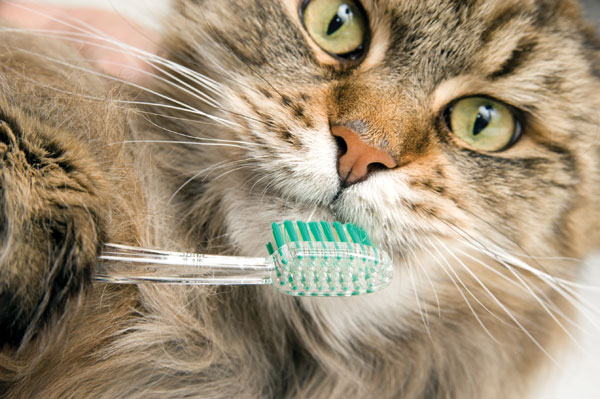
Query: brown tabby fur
column 69, row 183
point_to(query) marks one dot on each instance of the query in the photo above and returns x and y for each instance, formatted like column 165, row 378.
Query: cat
column 481, row 119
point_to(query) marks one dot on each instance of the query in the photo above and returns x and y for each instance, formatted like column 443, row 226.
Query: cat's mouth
column 336, row 197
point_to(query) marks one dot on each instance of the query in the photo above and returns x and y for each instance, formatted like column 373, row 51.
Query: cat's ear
column 569, row 8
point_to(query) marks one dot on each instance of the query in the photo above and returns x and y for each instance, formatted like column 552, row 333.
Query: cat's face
column 488, row 110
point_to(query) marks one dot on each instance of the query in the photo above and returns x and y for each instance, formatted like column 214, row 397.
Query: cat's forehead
column 401, row 31
column 413, row 45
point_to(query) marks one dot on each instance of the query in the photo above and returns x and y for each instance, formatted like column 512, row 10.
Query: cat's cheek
column 303, row 170
column 249, row 217
column 314, row 178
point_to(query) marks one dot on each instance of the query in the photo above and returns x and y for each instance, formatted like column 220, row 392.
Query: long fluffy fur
column 483, row 243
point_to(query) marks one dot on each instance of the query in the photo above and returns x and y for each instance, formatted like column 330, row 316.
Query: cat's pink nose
column 358, row 158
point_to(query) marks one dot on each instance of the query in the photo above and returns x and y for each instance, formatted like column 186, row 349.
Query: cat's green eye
column 483, row 124
column 337, row 26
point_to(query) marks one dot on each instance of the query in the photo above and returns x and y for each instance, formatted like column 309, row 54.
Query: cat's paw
column 51, row 215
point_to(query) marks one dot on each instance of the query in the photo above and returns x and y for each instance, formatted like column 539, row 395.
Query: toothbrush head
column 326, row 259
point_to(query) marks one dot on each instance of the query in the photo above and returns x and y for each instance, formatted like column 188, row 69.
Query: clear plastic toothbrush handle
column 132, row 265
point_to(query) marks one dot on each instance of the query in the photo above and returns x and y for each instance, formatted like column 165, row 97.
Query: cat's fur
column 456, row 323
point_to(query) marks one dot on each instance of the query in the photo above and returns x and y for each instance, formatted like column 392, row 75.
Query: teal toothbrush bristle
column 324, row 259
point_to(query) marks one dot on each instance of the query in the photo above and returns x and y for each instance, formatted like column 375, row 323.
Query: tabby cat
column 462, row 135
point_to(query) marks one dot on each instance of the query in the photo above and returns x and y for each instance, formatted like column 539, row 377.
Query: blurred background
column 579, row 374
column 593, row 9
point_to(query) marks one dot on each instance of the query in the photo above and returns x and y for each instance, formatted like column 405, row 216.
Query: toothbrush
column 307, row 259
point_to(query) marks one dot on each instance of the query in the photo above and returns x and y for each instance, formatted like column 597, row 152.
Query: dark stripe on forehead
column 519, row 56
column 420, row 34
column 499, row 23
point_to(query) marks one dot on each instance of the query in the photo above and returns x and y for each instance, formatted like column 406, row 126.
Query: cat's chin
column 347, row 318
column 248, row 226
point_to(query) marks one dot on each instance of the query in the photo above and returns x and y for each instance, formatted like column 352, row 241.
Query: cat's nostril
column 373, row 167
column 341, row 145
column 357, row 159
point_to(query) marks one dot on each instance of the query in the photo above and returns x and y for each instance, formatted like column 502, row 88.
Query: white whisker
column 422, row 267
column 424, row 318
column 502, row 306
column 87, row 30
column 552, row 285
column 66, row 36
column 206, row 172
column 543, row 305
column 181, row 106
column 209, row 144
column 589, row 310
column 202, row 139
column 553, row 282
column 461, row 291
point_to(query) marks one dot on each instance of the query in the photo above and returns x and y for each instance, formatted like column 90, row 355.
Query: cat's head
column 462, row 135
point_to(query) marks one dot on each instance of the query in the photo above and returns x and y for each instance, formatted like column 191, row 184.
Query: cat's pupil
column 344, row 13
column 484, row 117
